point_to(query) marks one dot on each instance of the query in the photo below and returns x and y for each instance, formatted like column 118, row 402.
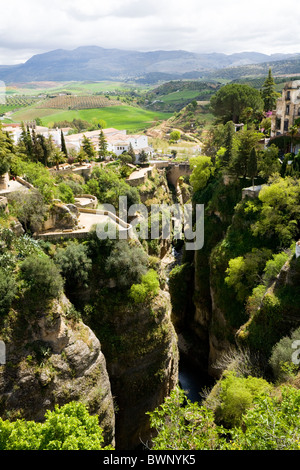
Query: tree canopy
column 231, row 100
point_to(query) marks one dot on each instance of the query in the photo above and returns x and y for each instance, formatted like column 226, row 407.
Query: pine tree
column 268, row 93
column 63, row 144
column 87, row 147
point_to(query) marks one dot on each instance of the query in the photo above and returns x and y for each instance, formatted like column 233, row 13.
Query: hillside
column 97, row 63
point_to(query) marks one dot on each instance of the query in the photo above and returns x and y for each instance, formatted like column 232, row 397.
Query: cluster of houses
column 118, row 141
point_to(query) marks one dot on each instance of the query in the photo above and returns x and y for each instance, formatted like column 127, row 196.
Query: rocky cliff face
column 140, row 344
column 50, row 360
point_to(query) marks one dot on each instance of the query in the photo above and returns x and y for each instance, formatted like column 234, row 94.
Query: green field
column 121, row 117
column 72, row 87
column 180, row 95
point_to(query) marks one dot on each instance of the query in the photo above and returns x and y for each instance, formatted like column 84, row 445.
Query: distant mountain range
column 96, row 63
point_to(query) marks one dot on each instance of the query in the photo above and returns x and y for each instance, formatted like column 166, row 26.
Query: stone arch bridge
column 174, row 170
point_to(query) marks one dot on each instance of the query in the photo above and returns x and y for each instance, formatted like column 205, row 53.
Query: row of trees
column 38, row 148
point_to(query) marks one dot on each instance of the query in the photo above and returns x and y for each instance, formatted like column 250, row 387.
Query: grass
column 120, row 117
column 180, row 95
column 36, row 88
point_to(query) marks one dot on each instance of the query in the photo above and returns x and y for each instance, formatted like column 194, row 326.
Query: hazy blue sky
column 35, row 26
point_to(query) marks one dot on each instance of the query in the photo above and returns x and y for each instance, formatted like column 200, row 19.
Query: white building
column 16, row 130
column 117, row 141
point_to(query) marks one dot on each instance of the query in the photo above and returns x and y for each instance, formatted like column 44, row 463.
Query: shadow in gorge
column 193, row 381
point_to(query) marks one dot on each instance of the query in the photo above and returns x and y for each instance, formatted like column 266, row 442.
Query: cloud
column 36, row 26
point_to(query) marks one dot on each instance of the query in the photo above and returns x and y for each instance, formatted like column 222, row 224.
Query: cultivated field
column 121, row 117
column 78, row 102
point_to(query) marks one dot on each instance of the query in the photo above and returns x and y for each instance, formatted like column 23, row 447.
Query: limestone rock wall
column 53, row 360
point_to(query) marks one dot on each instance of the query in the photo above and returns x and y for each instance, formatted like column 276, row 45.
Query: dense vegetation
column 246, row 277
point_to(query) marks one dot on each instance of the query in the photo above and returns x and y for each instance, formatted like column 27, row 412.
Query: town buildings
column 118, row 141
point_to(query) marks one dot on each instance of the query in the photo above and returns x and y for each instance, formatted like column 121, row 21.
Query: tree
column 37, row 148
column 74, row 264
column 202, row 168
column 293, row 131
column 41, row 277
column 268, row 93
column 87, row 147
column 127, row 263
column 279, row 214
column 57, row 157
column 63, row 144
column 143, row 158
column 8, row 290
column 252, row 165
column 131, row 152
column 246, row 140
column 29, row 208
column 268, row 162
column 102, row 152
column 228, row 144
column 181, row 425
column 243, row 272
column 175, row 136
column 231, row 100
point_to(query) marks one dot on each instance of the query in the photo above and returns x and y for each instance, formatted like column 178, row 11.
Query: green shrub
column 273, row 423
column 41, row 277
column 127, row 263
column 65, row 193
column 147, row 289
column 274, row 265
column 243, row 272
column 70, row 427
column 237, row 395
column 181, row 425
column 74, row 264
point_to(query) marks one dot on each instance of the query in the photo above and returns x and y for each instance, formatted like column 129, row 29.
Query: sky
column 204, row 26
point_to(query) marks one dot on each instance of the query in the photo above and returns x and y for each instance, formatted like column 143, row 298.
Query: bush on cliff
column 147, row 289
column 41, row 278
column 67, row 428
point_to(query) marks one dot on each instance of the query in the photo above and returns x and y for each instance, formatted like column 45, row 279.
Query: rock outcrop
column 142, row 363
column 54, row 360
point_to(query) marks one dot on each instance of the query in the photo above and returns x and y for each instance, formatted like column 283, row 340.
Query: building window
column 286, row 125
column 288, row 95
column 278, row 123
column 287, row 109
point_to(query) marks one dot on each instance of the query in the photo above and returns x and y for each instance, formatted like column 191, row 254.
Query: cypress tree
column 268, row 93
column 63, row 144
column 131, row 152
